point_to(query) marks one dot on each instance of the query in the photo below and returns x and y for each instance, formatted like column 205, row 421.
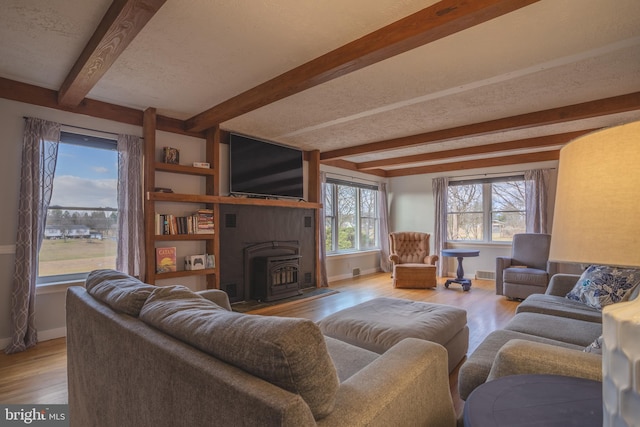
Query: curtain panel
column 322, row 248
column 131, row 246
column 385, row 263
column 39, row 156
column 536, row 193
column 440, row 186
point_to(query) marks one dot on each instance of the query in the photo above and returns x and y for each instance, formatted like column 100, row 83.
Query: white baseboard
column 47, row 335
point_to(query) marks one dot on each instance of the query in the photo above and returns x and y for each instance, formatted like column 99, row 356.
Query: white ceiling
column 195, row 54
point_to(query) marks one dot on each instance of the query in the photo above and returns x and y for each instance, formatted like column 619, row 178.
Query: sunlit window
column 487, row 210
column 81, row 226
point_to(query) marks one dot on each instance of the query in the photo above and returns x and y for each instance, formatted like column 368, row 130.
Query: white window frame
column 91, row 142
column 333, row 215
column 487, row 212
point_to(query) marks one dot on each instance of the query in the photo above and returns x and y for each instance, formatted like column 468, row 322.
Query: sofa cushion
column 559, row 306
column 573, row 331
column 121, row 292
column 526, row 276
column 290, row 353
column 348, row 359
column 601, row 285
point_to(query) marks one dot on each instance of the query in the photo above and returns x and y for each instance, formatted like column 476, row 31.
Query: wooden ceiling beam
column 540, row 156
column 432, row 23
column 520, row 144
column 344, row 164
column 30, row 94
column 119, row 26
column 585, row 110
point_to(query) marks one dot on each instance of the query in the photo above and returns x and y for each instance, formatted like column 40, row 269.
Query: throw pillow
column 287, row 352
column 595, row 347
column 121, row 292
column 601, row 285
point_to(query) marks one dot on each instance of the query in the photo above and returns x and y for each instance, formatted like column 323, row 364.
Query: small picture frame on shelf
column 171, row 155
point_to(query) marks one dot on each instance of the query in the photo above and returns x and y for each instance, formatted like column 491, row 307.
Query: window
column 81, row 226
column 486, row 210
column 351, row 216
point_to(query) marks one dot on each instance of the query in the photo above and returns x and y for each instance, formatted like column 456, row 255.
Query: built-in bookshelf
column 180, row 227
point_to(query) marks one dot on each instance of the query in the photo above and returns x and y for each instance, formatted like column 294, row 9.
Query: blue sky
column 85, row 177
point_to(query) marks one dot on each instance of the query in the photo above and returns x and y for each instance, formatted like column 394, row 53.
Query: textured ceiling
column 195, row 54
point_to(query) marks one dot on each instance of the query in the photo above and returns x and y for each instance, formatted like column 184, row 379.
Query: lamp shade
column 596, row 216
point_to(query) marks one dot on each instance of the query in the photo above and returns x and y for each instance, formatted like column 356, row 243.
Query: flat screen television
column 264, row 169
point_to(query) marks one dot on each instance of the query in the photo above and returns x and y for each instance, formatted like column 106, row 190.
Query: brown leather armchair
column 413, row 267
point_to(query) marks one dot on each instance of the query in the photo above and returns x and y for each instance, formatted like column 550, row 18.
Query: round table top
column 550, row 400
column 460, row 252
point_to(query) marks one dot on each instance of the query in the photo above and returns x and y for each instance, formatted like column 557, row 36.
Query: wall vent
column 485, row 275
column 356, row 272
column 307, row 278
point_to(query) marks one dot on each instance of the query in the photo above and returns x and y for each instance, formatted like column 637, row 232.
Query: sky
column 85, row 177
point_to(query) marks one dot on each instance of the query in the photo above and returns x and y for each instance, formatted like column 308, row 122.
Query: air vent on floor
column 485, row 275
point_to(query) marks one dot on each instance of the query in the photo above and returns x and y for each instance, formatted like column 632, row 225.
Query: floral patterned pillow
column 601, row 285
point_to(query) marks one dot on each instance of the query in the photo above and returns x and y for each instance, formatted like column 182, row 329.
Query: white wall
column 411, row 208
column 50, row 316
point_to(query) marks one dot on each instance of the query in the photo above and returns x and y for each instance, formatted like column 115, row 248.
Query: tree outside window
column 475, row 207
column 351, row 217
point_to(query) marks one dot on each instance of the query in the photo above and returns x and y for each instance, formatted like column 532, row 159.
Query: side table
column 541, row 400
column 460, row 253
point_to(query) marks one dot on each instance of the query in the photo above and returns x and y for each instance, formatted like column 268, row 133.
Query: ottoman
column 380, row 323
column 420, row 276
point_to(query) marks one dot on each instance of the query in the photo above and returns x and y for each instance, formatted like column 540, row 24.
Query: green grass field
column 76, row 256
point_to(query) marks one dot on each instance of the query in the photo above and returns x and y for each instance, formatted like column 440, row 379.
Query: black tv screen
column 261, row 168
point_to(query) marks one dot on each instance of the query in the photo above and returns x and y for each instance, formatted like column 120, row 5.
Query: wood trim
column 119, row 26
column 149, row 132
column 35, row 95
column 432, row 23
column 585, row 110
column 541, row 156
column 542, row 141
column 314, row 191
column 345, row 164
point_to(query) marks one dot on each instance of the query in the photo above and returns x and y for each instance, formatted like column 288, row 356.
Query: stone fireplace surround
column 275, row 229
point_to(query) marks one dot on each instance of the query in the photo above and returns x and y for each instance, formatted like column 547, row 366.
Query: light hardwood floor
column 38, row 375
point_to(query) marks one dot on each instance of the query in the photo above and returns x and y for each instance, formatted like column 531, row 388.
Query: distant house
column 78, row 231
column 53, row 233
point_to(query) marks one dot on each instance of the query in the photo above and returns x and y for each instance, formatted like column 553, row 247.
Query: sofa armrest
column 407, row 385
column 529, row 357
column 502, row 262
column 217, row 296
column 561, row 284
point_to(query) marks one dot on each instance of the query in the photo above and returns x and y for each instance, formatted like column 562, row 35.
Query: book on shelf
column 200, row 222
column 166, row 260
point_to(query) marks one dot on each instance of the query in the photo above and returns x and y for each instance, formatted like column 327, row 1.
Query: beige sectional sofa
column 547, row 335
column 140, row 355
column 550, row 334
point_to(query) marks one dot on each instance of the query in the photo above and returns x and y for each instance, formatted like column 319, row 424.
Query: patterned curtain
column 131, row 252
column 385, row 264
column 322, row 249
column 536, row 190
column 440, row 186
column 39, row 156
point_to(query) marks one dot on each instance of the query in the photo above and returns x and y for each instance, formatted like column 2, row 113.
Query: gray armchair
column 528, row 270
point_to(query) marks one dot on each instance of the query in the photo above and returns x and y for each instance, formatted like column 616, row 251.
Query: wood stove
column 275, row 277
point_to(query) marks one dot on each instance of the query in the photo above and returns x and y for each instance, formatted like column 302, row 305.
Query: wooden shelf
column 174, row 237
column 189, row 170
column 225, row 200
column 185, row 273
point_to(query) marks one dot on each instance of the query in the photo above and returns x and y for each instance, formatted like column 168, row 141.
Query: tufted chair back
column 410, row 247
